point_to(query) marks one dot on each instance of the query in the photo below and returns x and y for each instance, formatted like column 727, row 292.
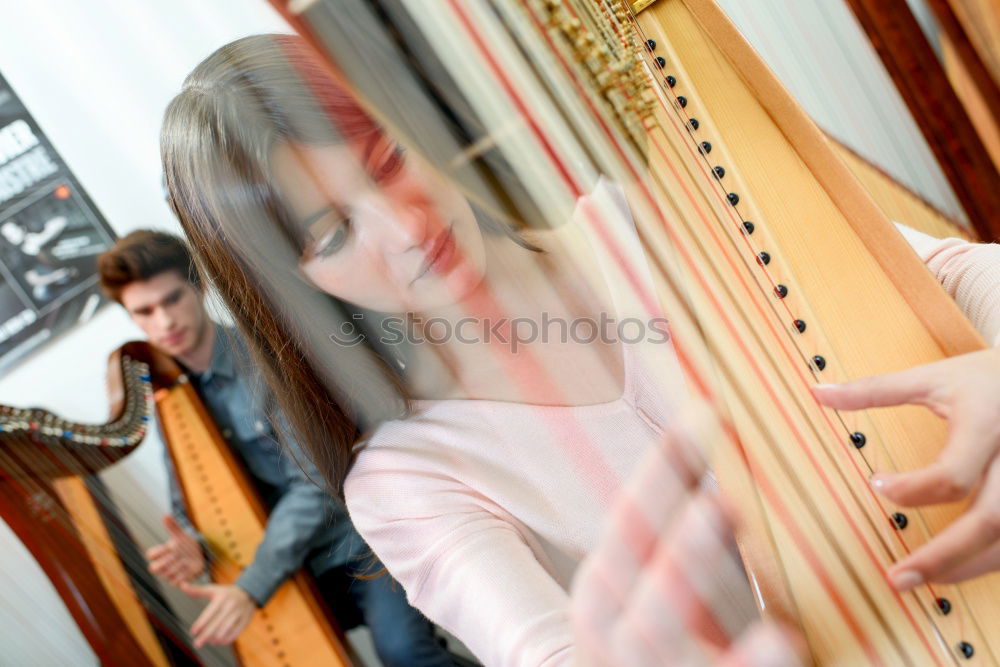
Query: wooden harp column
column 294, row 628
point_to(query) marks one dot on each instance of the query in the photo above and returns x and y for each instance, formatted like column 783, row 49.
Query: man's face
column 170, row 310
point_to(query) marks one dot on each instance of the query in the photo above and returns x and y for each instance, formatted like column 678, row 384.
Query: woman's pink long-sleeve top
column 483, row 510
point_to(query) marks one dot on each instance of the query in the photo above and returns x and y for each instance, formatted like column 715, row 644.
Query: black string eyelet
column 651, row 44
column 819, row 362
column 660, row 62
column 719, row 172
column 694, row 124
column 705, row 148
column 733, row 198
column 858, row 439
column 748, row 226
column 671, row 81
column 763, row 258
column 800, row 326
column 681, row 100
column 944, row 606
column 965, row 648
column 781, row 291
column 900, row 520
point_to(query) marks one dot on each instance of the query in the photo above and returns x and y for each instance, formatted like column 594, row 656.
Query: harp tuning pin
column 800, row 326
column 943, row 605
column 858, row 439
column 719, row 172
column 965, row 648
column 651, row 44
column 705, row 147
column 671, row 81
column 781, row 291
column 819, row 362
column 900, row 520
column 763, row 258
column 733, row 198
column 748, row 226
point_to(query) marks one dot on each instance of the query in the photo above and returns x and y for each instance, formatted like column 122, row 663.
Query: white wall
column 97, row 76
column 821, row 54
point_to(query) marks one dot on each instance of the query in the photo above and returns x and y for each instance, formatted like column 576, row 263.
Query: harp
column 45, row 500
column 294, row 627
column 773, row 265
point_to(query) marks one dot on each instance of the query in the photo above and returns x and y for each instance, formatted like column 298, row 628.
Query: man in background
column 151, row 274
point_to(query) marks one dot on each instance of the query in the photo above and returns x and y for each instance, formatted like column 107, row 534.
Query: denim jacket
column 305, row 524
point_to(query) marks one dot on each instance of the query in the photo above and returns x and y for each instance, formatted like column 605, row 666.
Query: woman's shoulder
column 409, row 462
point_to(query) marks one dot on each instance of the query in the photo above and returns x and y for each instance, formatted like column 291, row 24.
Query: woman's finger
column 971, row 534
column 912, row 385
column 686, row 587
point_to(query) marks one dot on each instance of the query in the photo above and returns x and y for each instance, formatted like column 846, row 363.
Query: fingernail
column 824, row 386
column 907, row 579
column 879, row 482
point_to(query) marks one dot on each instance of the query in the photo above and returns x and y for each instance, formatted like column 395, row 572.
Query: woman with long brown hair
column 387, row 311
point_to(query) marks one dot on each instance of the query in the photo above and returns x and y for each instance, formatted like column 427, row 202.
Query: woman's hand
column 965, row 390
column 658, row 588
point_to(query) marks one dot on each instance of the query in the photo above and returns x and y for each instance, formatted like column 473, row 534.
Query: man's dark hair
column 142, row 255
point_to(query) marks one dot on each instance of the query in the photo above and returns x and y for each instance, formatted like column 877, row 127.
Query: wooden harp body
column 294, row 627
column 45, row 499
column 797, row 279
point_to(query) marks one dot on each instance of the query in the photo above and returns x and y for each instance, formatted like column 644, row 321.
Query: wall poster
column 50, row 236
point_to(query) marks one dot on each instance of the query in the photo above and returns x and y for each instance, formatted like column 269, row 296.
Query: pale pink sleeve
column 466, row 568
column 969, row 272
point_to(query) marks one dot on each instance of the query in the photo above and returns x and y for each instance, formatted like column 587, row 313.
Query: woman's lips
column 442, row 255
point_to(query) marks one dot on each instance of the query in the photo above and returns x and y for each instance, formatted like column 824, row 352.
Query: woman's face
column 384, row 231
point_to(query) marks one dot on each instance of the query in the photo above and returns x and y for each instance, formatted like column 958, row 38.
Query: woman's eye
column 332, row 240
column 391, row 165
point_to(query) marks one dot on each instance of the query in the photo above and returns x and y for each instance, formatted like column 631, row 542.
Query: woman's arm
column 969, row 272
column 462, row 563
column 643, row 596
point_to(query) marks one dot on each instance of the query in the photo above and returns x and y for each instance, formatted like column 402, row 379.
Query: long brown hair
column 215, row 143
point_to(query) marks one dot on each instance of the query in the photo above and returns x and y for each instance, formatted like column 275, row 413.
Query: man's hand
column 179, row 559
column 965, row 390
column 228, row 613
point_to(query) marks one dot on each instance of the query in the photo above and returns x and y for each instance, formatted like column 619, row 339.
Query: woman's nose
column 408, row 228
